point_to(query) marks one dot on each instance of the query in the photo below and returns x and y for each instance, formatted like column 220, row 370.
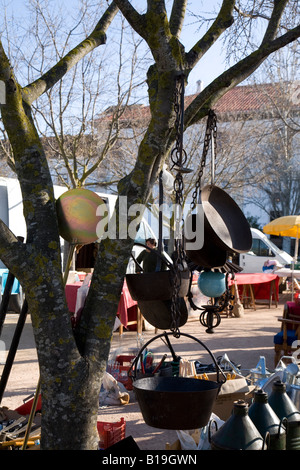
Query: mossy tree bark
column 72, row 365
column 70, row 380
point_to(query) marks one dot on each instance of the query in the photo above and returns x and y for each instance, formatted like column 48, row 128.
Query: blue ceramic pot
column 212, row 283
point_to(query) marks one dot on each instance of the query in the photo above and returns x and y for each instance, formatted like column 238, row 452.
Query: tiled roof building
column 258, row 101
column 242, row 102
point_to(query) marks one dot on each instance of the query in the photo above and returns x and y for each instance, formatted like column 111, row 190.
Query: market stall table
column 256, row 286
column 128, row 311
column 287, row 272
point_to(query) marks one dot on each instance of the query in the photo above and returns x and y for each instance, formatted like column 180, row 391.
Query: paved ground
column 244, row 340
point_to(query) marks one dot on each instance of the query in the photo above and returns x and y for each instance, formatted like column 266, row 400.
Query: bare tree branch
column 235, row 75
column 136, row 20
column 177, row 17
column 223, row 21
column 32, row 91
column 251, row 14
column 274, row 21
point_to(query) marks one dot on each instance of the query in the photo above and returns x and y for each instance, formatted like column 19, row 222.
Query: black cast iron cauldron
column 225, row 228
column 156, row 285
column 176, row 402
column 210, row 255
column 159, row 312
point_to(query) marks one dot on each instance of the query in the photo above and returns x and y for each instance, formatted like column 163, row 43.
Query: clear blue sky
column 212, row 64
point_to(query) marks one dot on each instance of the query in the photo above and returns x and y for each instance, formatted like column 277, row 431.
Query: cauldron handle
column 163, row 258
column 132, row 370
column 136, row 263
column 175, row 357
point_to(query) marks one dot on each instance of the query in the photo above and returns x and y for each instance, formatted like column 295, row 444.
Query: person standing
column 148, row 258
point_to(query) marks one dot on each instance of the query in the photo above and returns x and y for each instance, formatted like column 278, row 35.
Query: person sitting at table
column 148, row 258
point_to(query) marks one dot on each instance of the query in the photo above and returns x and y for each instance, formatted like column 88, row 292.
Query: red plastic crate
column 110, row 433
column 25, row 409
column 124, row 359
column 120, row 370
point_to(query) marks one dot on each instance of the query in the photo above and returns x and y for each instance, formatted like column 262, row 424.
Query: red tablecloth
column 293, row 308
column 261, row 283
column 125, row 303
column 71, row 295
column 253, row 278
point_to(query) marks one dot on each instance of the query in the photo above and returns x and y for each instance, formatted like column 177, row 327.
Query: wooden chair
column 287, row 340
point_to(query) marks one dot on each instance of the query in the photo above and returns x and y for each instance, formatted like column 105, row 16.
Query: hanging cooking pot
column 176, row 402
column 209, row 255
column 157, row 285
column 160, row 284
column 226, row 222
column 159, row 313
column 226, row 229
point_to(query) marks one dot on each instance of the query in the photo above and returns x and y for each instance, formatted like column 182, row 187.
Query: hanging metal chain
column 209, row 138
column 178, row 155
column 178, row 158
